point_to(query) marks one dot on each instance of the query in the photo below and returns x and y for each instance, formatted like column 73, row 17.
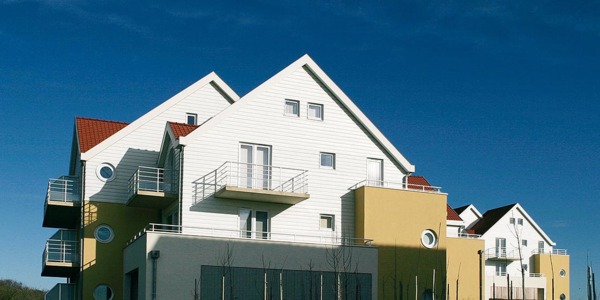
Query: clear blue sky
column 495, row 101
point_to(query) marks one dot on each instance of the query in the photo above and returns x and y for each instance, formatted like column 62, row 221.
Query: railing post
column 157, row 180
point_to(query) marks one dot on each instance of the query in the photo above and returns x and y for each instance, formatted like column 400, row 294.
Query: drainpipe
column 480, row 252
column 154, row 254
column 180, row 188
column 79, row 286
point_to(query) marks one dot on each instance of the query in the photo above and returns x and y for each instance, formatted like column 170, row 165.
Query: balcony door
column 255, row 166
column 374, row 172
column 500, row 247
column 254, row 224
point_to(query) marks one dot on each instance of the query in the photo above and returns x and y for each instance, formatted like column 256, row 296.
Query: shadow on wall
column 232, row 207
column 347, row 209
column 117, row 190
column 404, row 271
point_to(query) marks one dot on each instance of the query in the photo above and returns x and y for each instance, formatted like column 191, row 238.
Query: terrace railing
column 64, row 189
column 398, row 186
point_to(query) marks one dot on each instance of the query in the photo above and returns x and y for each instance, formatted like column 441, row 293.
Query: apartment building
column 518, row 253
column 288, row 192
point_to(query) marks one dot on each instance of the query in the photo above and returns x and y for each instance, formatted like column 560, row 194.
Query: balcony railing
column 549, row 251
column 255, row 235
column 61, row 291
column 517, row 275
column 398, row 186
column 150, row 179
column 502, row 253
column 64, row 189
column 536, row 275
column 61, row 251
column 251, row 176
column 469, row 235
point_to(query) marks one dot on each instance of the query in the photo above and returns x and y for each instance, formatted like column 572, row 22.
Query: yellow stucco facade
column 553, row 264
column 463, row 272
column 395, row 221
column 100, row 260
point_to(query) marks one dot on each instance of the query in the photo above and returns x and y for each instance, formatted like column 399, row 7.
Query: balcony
column 399, row 186
column 267, row 236
column 62, row 208
column 549, row 251
column 61, row 255
column 61, row 291
column 148, row 188
column 261, row 183
column 501, row 253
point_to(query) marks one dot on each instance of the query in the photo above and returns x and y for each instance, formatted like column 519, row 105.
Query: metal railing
column 398, row 186
column 469, row 235
column 549, row 251
column 253, row 176
column 64, row 189
column 61, row 251
column 536, row 275
column 501, row 252
column 61, row 291
column 150, row 179
column 257, row 235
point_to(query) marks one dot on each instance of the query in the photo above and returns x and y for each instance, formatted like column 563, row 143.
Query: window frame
column 187, row 118
column 512, row 221
column 333, row 163
column 524, row 243
column 520, row 221
column 285, row 106
column 321, row 108
column 327, row 216
column 99, row 174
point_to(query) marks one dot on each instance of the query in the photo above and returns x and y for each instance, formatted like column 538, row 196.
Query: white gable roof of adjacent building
column 212, row 79
column 307, row 63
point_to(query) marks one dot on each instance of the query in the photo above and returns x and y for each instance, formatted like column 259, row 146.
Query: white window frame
column 191, row 115
column 524, row 243
column 511, row 221
column 252, row 232
column 333, row 166
column 285, row 106
column 327, row 216
column 100, row 174
column 520, row 221
column 322, row 110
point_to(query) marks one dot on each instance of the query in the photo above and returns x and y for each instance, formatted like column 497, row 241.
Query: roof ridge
column 185, row 124
column 101, row 120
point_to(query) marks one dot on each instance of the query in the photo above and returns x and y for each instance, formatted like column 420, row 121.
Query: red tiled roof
column 490, row 218
column 91, row 132
column 180, row 129
column 418, row 182
column 451, row 214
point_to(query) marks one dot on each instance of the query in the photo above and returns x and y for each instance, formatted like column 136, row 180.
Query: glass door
column 500, row 247
column 254, row 168
column 374, row 172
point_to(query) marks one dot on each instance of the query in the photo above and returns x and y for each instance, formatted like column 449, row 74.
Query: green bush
column 12, row 290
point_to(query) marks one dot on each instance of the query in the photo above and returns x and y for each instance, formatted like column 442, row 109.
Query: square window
column 520, row 221
column 524, row 243
column 315, row 111
column 525, row 267
column 292, row 108
column 191, row 119
column 512, row 220
column 327, row 160
column 327, row 222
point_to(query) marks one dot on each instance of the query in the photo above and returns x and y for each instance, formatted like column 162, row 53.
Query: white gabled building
column 515, row 245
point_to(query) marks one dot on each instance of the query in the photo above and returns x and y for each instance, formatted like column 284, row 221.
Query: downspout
column 180, row 221
column 154, row 254
column 480, row 252
column 81, row 229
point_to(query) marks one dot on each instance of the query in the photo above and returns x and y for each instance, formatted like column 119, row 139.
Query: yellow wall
column 543, row 264
column 463, row 265
column 395, row 220
column 103, row 263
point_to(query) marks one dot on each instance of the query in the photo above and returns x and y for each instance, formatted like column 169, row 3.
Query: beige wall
column 103, row 263
column 545, row 263
column 463, row 266
column 395, row 220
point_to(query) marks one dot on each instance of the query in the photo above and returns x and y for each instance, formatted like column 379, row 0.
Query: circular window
column 563, row 297
column 429, row 238
column 104, row 234
column 103, row 292
column 106, row 172
column 562, row 273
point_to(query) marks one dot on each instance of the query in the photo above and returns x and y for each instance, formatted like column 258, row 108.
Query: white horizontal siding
column 142, row 146
column 296, row 143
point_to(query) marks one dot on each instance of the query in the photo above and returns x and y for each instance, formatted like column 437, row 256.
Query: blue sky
column 495, row 101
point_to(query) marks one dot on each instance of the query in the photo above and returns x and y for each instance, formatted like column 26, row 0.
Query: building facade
column 288, row 192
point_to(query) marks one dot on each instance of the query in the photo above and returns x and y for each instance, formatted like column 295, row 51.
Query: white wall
column 296, row 143
column 142, row 146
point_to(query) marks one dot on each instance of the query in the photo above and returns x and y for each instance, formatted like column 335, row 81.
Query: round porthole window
column 103, row 292
column 429, row 239
column 105, row 172
column 562, row 273
column 563, row 297
column 104, row 234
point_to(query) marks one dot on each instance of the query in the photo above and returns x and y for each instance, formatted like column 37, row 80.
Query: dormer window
column 191, row 119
